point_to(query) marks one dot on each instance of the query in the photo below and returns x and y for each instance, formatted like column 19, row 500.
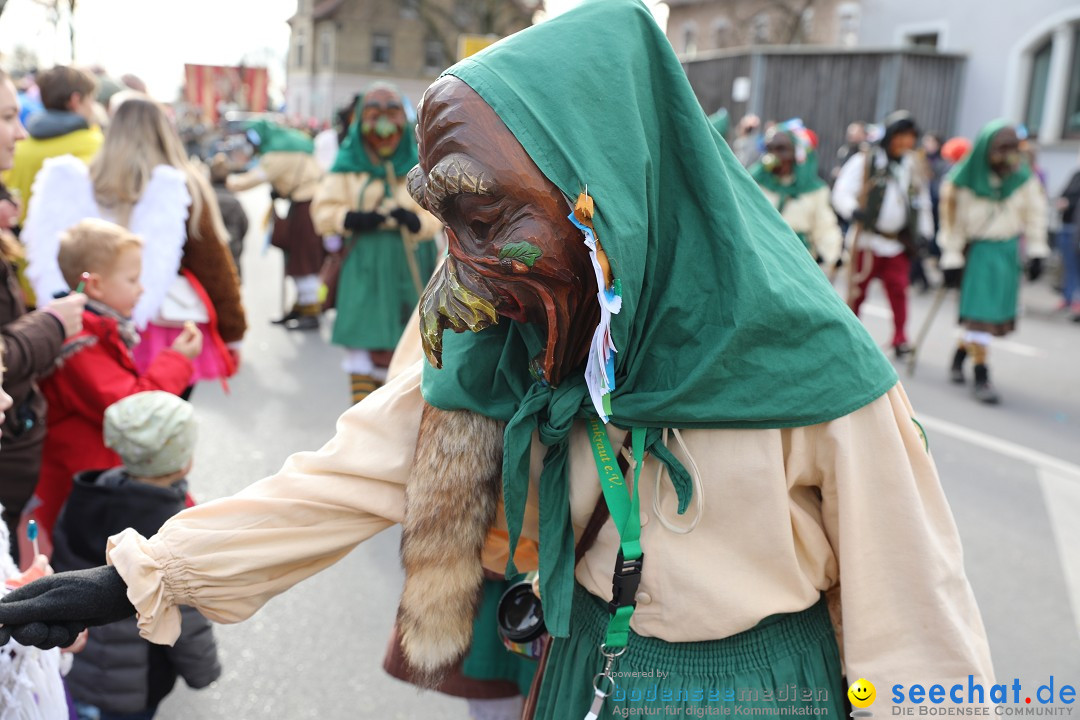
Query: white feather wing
column 62, row 196
column 160, row 219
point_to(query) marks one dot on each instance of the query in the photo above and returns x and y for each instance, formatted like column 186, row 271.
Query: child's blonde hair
column 92, row 246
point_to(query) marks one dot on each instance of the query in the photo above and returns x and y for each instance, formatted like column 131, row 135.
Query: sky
column 154, row 38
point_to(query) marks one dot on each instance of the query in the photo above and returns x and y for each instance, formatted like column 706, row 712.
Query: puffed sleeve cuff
column 1038, row 250
column 146, row 574
column 951, row 259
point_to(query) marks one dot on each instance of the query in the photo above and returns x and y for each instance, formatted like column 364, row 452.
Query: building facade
column 1023, row 64
column 700, row 26
column 339, row 47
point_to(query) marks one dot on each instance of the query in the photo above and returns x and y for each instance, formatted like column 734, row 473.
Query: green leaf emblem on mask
column 524, row 252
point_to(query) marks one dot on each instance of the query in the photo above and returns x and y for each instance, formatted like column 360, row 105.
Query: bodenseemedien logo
column 862, row 695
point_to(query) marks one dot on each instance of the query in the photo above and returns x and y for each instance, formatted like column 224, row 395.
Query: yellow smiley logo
column 862, row 693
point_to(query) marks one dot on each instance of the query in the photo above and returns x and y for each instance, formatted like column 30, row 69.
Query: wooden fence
column 829, row 88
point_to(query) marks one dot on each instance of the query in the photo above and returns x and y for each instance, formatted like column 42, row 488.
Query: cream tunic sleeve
column 1034, row 210
column 336, row 195
column 227, row 558
column 828, row 241
column 950, row 237
column 909, row 614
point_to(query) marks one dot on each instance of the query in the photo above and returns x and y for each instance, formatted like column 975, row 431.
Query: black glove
column 406, row 218
column 1034, row 269
column 859, row 215
column 52, row 611
column 953, row 277
column 363, row 221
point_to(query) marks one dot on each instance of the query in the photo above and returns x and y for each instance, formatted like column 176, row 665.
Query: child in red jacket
column 95, row 368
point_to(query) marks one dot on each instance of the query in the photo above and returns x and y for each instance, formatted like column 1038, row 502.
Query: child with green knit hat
column 154, row 435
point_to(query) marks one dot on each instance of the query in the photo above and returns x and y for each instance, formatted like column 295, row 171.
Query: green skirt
column 376, row 291
column 786, row 661
column 991, row 285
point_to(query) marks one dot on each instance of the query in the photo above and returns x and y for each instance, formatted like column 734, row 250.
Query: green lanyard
column 626, row 513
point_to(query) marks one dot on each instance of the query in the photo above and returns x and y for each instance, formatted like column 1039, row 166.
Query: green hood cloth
column 278, row 138
column 974, row 173
column 353, row 158
column 806, row 165
column 721, row 121
column 726, row 321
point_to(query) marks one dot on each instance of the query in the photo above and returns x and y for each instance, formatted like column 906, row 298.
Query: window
column 300, row 48
column 410, row 9
column 806, row 24
column 380, row 50
column 759, row 29
column 434, row 56
column 464, row 13
column 923, row 40
column 721, row 32
column 689, row 38
column 326, row 47
column 1071, row 128
column 847, row 16
column 1036, row 100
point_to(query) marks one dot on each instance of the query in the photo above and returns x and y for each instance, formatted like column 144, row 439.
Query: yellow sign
column 471, row 44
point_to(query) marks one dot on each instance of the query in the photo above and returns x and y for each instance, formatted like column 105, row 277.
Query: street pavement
column 1011, row 473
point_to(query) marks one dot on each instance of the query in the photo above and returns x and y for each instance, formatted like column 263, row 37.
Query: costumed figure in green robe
column 384, row 239
column 287, row 162
column 788, row 175
column 988, row 201
column 614, row 279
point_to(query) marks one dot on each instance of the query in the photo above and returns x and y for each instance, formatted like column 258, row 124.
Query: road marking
column 1018, row 348
column 997, row 344
column 1062, row 468
column 1063, row 506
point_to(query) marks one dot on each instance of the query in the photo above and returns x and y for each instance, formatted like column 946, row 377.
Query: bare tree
column 787, row 19
column 54, row 17
column 23, row 59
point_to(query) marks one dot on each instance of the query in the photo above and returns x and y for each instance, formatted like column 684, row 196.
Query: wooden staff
column 939, row 298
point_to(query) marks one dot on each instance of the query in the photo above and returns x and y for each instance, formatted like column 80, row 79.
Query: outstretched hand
column 1034, row 269
column 52, row 611
column 406, row 219
column 953, row 277
column 363, row 221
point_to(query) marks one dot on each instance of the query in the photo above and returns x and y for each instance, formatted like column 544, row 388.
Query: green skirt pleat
column 488, row 659
column 787, row 661
column 376, row 292
column 991, row 285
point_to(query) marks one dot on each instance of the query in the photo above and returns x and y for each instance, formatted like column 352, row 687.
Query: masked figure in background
column 788, row 175
column 882, row 194
column 386, row 239
column 641, row 314
column 988, row 200
column 287, row 163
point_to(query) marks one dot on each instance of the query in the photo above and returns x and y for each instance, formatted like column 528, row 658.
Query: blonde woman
column 142, row 180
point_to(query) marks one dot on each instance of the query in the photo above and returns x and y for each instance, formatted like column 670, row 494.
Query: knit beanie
column 152, row 432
